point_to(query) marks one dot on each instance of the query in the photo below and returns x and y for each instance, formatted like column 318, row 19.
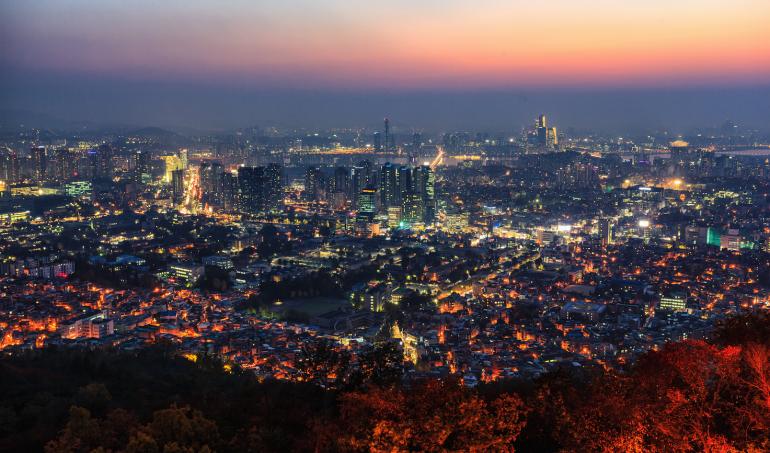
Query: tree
column 325, row 363
column 81, row 433
column 94, row 396
column 744, row 329
column 435, row 415
column 183, row 429
column 381, row 365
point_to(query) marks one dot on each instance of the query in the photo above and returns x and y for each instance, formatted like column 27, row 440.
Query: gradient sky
column 399, row 46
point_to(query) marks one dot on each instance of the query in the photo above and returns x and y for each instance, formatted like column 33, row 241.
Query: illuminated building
column 39, row 163
column 138, row 166
column 190, row 273
column 605, row 231
column 9, row 166
column 90, row 325
column 388, row 137
column 731, row 240
column 412, row 209
column 11, row 217
column 367, row 204
column 424, row 180
column 78, row 188
column 273, row 187
column 544, row 136
column 177, row 186
column 360, row 178
column 100, row 163
column 456, row 221
column 218, row 261
column 211, row 175
column 713, row 237
column 341, row 182
column 542, row 130
column 172, row 163
column 229, row 191
column 390, row 185
column 260, row 188
column 314, row 184
column 672, row 303
column 543, row 236
column 394, row 216
column 62, row 166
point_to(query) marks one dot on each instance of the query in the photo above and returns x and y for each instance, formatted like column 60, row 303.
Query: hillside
column 691, row 396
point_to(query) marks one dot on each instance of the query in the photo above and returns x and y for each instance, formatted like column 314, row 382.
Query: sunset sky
column 397, row 44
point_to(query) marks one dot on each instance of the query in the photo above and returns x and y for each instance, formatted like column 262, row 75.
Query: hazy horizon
column 487, row 65
column 208, row 107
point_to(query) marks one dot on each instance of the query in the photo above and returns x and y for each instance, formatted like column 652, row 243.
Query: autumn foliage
column 690, row 396
column 432, row 416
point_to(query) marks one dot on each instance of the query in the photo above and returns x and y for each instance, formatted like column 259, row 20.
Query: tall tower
column 273, row 187
column 39, row 163
column 211, row 183
column 542, row 130
column 605, row 231
column 387, row 135
column 9, row 166
column 425, row 186
column 314, row 184
column 389, row 185
column 177, row 186
column 100, row 162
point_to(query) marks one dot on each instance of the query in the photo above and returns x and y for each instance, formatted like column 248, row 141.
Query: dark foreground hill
column 691, row 396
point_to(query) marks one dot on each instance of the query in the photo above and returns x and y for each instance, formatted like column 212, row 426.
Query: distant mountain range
column 12, row 121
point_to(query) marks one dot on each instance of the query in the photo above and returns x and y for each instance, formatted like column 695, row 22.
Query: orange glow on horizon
column 489, row 43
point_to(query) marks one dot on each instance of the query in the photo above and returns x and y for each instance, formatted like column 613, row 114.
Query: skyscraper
column 39, row 163
column 425, row 186
column 229, row 191
column 412, row 208
column 377, row 137
column 251, row 185
column 367, row 204
column 360, row 178
column 545, row 136
column 605, row 231
column 211, row 183
column 388, row 138
column 9, row 166
column 100, row 163
column 341, row 180
column 260, row 188
column 390, row 190
column 542, row 130
column 62, row 166
column 139, row 165
column 314, row 184
column 177, row 186
column 273, row 187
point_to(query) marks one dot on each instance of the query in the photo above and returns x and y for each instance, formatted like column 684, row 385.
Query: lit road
column 439, row 159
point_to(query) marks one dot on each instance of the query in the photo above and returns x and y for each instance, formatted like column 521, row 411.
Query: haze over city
column 431, row 65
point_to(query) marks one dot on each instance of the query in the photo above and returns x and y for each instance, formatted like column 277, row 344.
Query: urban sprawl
column 483, row 256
